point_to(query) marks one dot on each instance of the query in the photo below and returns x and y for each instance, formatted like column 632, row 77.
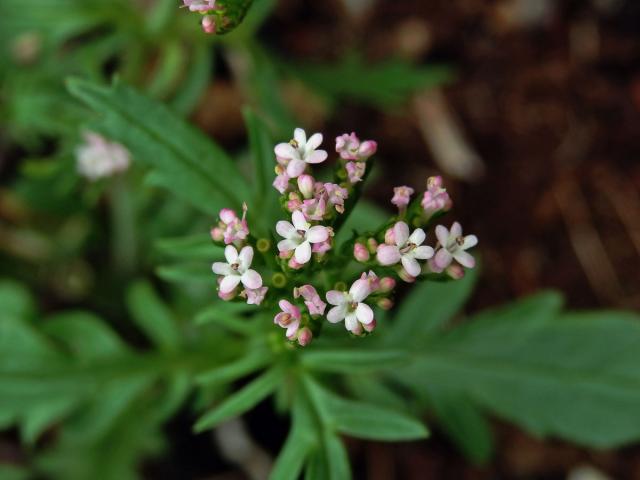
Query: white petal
column 465, row 259
column 229, row 283
column 288, row 244
column 360, row 290
column 251, row 279
column 442, row 258
column 336, row 314
column 285, row 150
column 303, row 252
column 317, row 234
column 285, row 229
column 351, row 322
column 221, row 268
column 245, row 258
column 388, row 254
column 418, row 236
column 314, row 142
column 470, row 241
column 300, row 136
column 299, row 222
column 423, row 253
column 335, row 297
column 442, row 234
column 401, row 232
column 411, row 265
column 231, row 254
column 364, row 313
column 296, row 168
column 317, row 156
column 456, row 230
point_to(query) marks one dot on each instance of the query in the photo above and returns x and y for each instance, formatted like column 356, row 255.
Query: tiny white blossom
column 299, row 236
column 98, row 158
column 408, row 249
column 296, row 154
column 237, row 269
column 350, row 306
column 452, row 247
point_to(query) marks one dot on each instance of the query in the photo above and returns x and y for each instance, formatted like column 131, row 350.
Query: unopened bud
column 360, row 252
column 306, row 185
column 304, row 336
column 385, row 303
column 369, row 327
column 390, row 237
column 217, row 234
column 227, row 215
column 372, row 245
column 455, row 271
column 404, row 275
column 387, row 284
column 209, row 24
column 295, row 265
column 367, row 148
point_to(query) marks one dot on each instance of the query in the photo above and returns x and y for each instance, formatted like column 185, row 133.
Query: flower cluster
column 313, row 278
column 204, row 7
column 99, row 158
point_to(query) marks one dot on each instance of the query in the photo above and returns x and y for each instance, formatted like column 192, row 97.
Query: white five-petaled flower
column 408, row 249
column 453, row 246
column 349, row 306
column 237, row 269
column 299, row 236
column 300, row 151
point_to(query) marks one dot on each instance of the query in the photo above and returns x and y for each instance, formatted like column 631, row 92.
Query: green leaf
column 16, row 300
column 251, row 362
column 337, row 458
column 45, row 415
column 152, row 316
column 196, row 80
column 353, row 361
column 428, row 307
column 192, row 165
column 464, row 423
column 13, row 472
column 575, row 376
column 228, row 315
column 191, row 247
column 241, row 401
column 196, row 273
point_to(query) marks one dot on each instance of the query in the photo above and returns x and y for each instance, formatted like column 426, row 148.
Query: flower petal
column 364, row 313
column 229, row 283
column 245, row 258
column 464, row 258
column 231, row 254
column 423, row 252
column 300, row 136
column 336, row 314
column 221, row 268
column 351, row 322
column 314, row 142
column 285, row 229
column 303, row 253
column 317, row 234
column 418, row 236
column 442, row 234
column 318, row 156
column 292, row 329
column 251, row 279
column 442, row 259
column 296, row 167
column 411, row 265
column 401, row 233
column 470, row 241
column 360, row 290
column 285, row 150
column 287, row 245
column 456, row 230
column 299, row 221
column 388, row 254
column 335, row 297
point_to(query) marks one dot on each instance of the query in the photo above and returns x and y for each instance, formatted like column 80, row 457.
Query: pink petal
column 296, row 168
column 401, row 233
column 411, row 265
column 251, row 279
column 364, row 313
column 299, row 221
column 317, row 234
column 287, row 245
column 318, row 156
column 231, row 254
column 285, row 229
column 442, row 234
column 360, row 290
column 388, row 254
column 442, row 258
column 335, row 297
column 303, row 253
column 229, row 283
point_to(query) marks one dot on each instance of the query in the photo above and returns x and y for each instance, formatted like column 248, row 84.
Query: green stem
column 123, row 226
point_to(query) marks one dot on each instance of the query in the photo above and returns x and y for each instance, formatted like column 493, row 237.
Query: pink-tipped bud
column 304, row 336
column 370, row 326
column 306, row 185
column 404, row 276
column 390, row 237
column 295, row 265
column 455, row 271
column 293, row 205
column 385, row 303
column 217, row 234
column 387, row 284
column 227, row 215
column 227, row 296
column 367, row 148
column 402, row 196
column 372, row 245
column 209, row 24
column 360, row 252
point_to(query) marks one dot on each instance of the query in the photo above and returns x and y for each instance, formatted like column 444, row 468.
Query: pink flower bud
column 455, row 271
column 360, row 252
column 372, row 245
column 405, row 276
column 227, row 296
column 304, row 336
column 402, row 196
column 217, row 234
column 367, row 148
column 209, row 24
column 387, row 284
column 227, row 215
column 385, row 303
column 370, row 326
column 293, row 205
column 295, row 265
column 281, row 183
column 390, row 237
column 306, row 185
column 436, row 197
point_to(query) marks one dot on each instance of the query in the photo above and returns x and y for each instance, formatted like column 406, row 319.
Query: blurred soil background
column 538, row 140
